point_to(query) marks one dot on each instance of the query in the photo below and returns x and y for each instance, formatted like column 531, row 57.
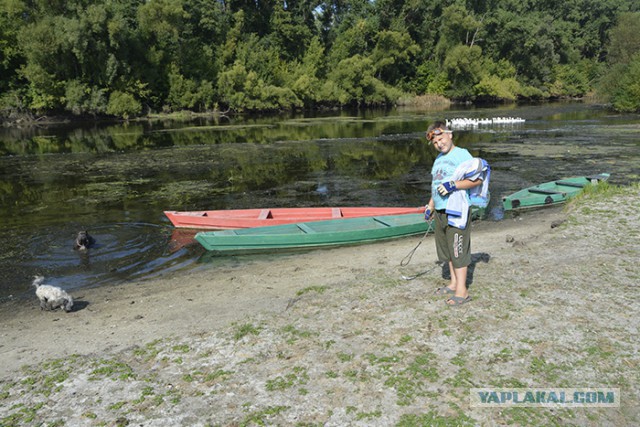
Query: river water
column 115, row 180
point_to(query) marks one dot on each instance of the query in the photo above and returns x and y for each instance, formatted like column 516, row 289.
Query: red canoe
column 247, row 218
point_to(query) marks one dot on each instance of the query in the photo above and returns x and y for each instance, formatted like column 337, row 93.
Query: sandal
column 454, row 300
column 445, row 290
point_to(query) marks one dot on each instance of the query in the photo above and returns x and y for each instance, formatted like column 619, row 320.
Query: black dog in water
column 84, row 241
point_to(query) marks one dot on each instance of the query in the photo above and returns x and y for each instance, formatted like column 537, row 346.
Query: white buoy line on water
column 467, row 122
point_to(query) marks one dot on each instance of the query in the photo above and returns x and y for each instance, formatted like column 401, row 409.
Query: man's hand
column 446, row 188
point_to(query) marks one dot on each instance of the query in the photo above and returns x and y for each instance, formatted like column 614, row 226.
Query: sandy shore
column 338, row 337
column 115, row 318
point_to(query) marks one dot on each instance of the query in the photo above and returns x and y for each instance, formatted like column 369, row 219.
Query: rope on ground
column 407, row 259
column 415, row 276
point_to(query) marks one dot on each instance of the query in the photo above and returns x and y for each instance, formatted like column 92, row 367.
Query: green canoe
column 313, row 234
column 550, row 193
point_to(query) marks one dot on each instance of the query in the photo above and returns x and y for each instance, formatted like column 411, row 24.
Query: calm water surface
column 116, row 180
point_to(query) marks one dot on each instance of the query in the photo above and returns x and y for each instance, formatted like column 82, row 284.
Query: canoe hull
column 308, row 235
column 550, row 193
column 250, row 218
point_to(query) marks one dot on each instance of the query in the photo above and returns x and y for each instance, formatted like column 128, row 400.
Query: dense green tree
column 625, row 95
column 498, row 81
column 123, row 105
column 392, row 56
column 244, row 90
column 421, row 20
column 525, row 39
column 568, row 81
column 587, row 23
column 260, row 56
column 429, row 79
column 81, row 99
column 353, row 82
column 290, row 35
column 185, row 93
column 88, row 47
column 624, row 41
column 304, row 77
column 458, row 26
column 161, row 24
column 125, row 57
column 257, row 14
column 202, row 39
column 619, row 83
column 10, row 60
column 339, row 16
column 464, row 68
column 358, row 39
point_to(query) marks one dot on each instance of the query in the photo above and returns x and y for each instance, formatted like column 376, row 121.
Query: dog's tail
column 37, row 281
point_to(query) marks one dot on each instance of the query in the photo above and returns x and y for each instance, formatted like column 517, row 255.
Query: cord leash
column 407, row 259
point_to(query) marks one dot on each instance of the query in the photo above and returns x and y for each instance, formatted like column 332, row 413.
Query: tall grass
column 601, row 190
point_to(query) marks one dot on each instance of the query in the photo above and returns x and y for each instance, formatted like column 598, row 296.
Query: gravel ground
column 338, row 337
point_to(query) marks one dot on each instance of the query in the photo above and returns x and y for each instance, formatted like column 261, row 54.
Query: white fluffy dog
column 52, row 297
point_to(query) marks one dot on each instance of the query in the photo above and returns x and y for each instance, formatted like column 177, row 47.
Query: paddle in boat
column 248, row 218
column 550, row 193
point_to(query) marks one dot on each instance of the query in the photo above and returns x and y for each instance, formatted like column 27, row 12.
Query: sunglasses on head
column 436, row 132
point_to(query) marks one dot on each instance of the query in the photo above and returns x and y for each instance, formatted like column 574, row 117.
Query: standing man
column 453, row 244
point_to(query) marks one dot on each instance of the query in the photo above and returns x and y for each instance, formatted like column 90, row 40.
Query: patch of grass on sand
column 404, row 339
column 148, row 352
column 368, row 415
column 344, row 357
column 293, row 334
column 261, row 418
column 537, row 416
column 435, row 420
column 110, row 368
column 299, row 376
column 242, row 331
column 331, row 374
column 181, row 348
column 208, row 378
column 501, row 382
column 316, row 289
column 22, row 414
column 504, row 355
column 49, row 376
column 117, row 406
column 550, row 371
column 408, row 380
column 144, row 394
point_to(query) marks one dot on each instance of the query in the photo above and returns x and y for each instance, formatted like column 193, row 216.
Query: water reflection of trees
column 197, row 175
column 144, row 136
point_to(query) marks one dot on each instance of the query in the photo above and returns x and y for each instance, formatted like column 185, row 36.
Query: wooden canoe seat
column 381, row 221
column 541, row 191
column 265, row 214
column 336, row 213
column 304, row 227
column 571, row 184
